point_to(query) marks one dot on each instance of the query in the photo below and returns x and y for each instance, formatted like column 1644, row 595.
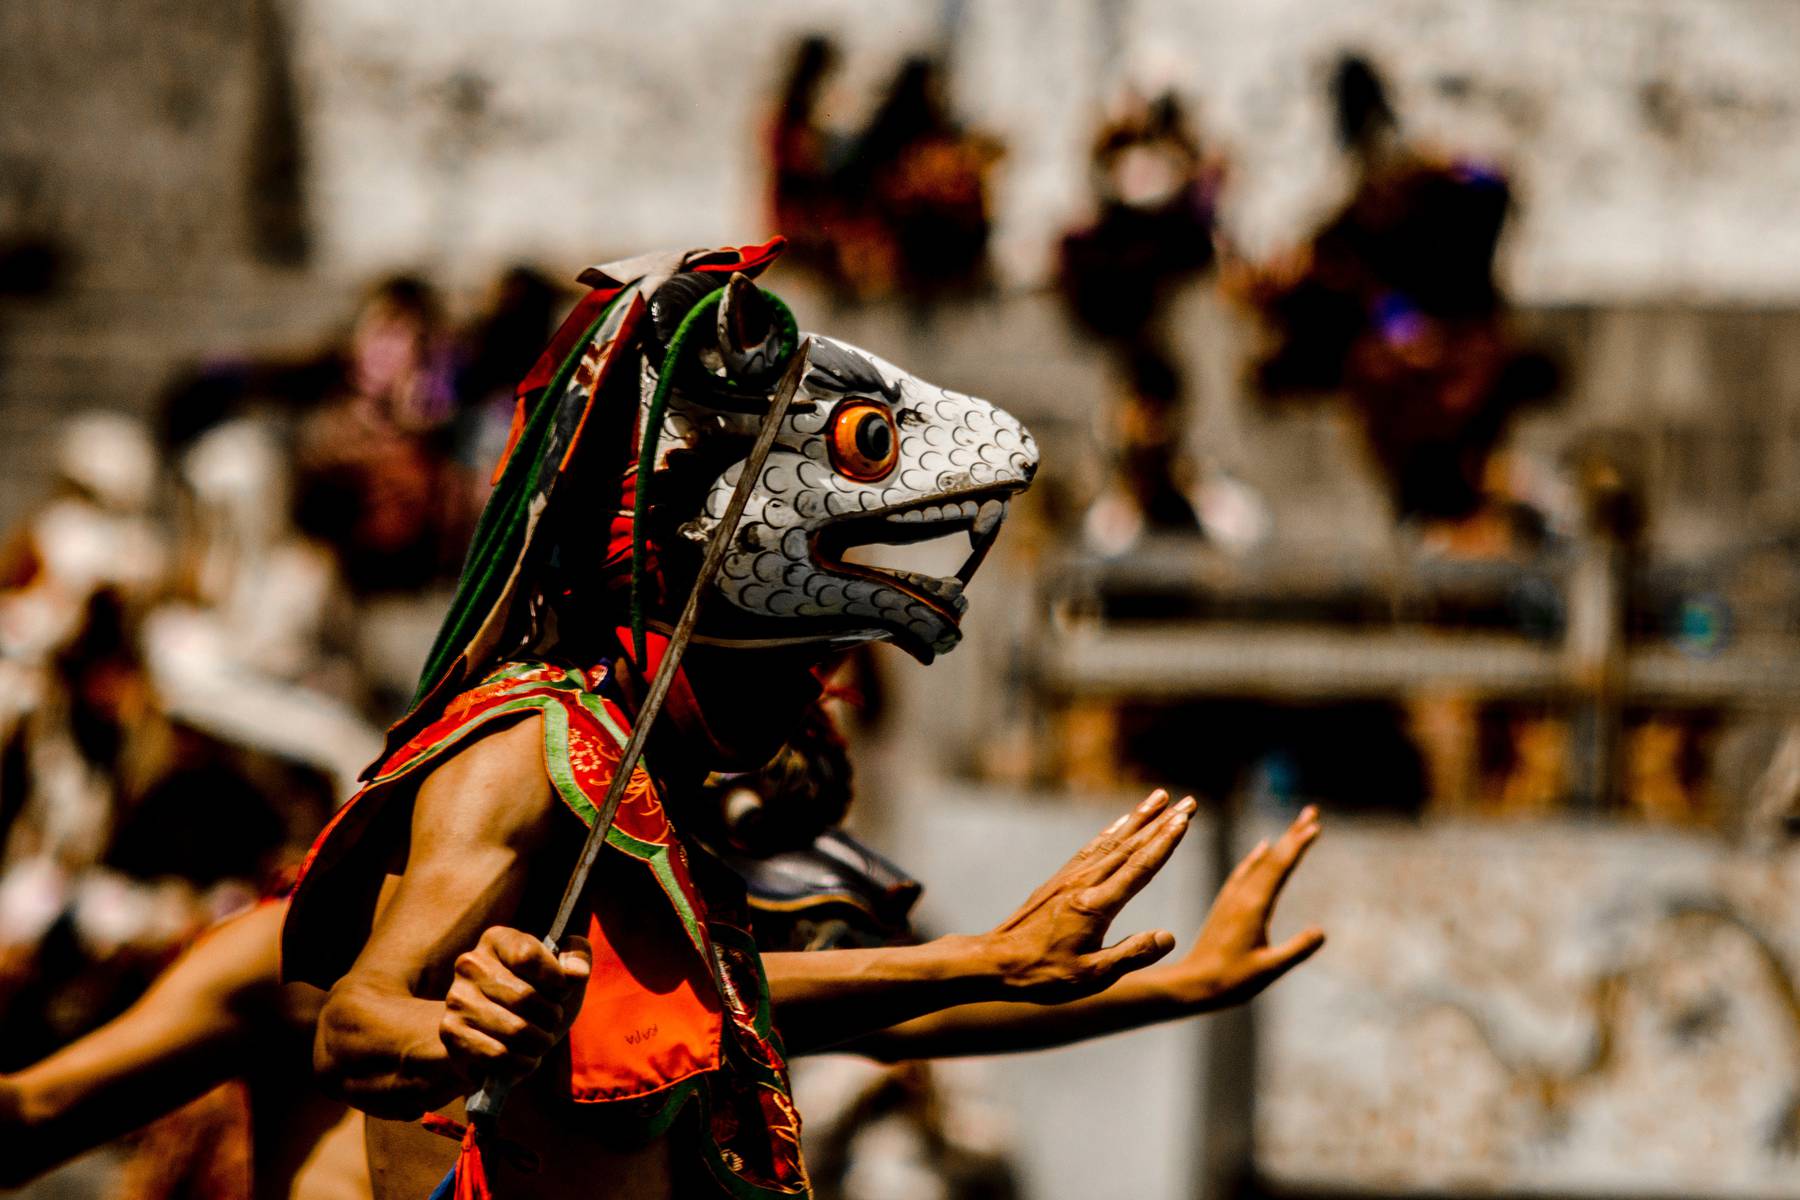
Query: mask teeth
column 987, row 518
column 982, row 535
column 946, row 591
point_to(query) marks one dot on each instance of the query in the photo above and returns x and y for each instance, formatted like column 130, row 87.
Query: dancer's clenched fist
column 511, row 1001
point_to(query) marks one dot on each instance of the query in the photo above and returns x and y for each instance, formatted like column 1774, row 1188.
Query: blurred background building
column 1419, row 386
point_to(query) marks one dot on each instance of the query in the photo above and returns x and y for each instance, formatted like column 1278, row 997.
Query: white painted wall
column 1656, row 143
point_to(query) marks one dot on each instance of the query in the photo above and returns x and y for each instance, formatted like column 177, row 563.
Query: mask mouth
column 976, row 514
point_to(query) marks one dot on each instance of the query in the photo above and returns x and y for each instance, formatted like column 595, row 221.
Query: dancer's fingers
column 1129, row 954
column 1123, row 829
column 1290, row 848
column 1148, row 854
column 1276, row 961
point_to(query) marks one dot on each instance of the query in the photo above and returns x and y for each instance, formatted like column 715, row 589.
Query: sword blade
column 486, row 1103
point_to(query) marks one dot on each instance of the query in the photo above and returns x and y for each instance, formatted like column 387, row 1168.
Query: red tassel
column 468, row 1180
column 471, row 1172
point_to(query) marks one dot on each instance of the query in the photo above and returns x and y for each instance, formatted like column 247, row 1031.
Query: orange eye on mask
column 864, row 443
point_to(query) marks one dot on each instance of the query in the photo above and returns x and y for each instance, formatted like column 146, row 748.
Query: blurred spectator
column 1393, row 303
column 1146, row 494
column 804, row 157
column 80, row 743
column 899, row 209
column 378, row 478
column 95, row 532
column 927, row 179
column 255, row 645
column 1155, row 193
column 1156, row 489
column 244, row 556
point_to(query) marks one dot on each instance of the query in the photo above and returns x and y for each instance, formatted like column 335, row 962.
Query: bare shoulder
column 495, row 789
column 236, row 967
column 252, row 940
column 233, row 960
column 481, row 822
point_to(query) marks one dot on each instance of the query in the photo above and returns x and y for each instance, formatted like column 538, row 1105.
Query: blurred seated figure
column 375, row 454
column 924, row 177
column 1155, row 194
column 805, row 156
column 1145, row 494
column 324, row 490
column 246, row 557
column 94, row 532
column 1393, row 304
column 254, row 646
column 83, row 739
column 1156, row 489
column 899, row 208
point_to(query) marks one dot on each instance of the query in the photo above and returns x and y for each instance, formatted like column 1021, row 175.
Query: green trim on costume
column 764, row 1020
column 648, row 443
column 499, row 539
column 426, row 754
column 512, row 670
column 659, row 1123
column 563, row 778
column 556, row 762
column 597, row 706
column 690, row 920
column 733, row 1183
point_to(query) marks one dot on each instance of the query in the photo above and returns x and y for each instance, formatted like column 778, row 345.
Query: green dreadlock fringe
column 486, row 569
column 499, row 535
column 665, row 382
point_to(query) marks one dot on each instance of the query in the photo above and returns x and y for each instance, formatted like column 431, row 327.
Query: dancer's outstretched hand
column 1231, row 960
column 1054, row 947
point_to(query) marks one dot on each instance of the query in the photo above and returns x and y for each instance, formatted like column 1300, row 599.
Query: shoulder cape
column 676, row 1018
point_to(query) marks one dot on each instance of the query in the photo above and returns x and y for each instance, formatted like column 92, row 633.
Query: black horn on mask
column 756, row 334
column 752, row 334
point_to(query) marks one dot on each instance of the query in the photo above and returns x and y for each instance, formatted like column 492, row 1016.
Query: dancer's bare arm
column 1230, row 962
column 188, row 1033
column 1051, row 951
column 415, row 1023
column 445, row 995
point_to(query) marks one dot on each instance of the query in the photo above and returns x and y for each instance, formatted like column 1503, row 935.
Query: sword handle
column 485, row 1105
column 483, row 1108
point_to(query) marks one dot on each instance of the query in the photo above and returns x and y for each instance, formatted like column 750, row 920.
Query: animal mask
column 630, row 433
column 868, row 455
